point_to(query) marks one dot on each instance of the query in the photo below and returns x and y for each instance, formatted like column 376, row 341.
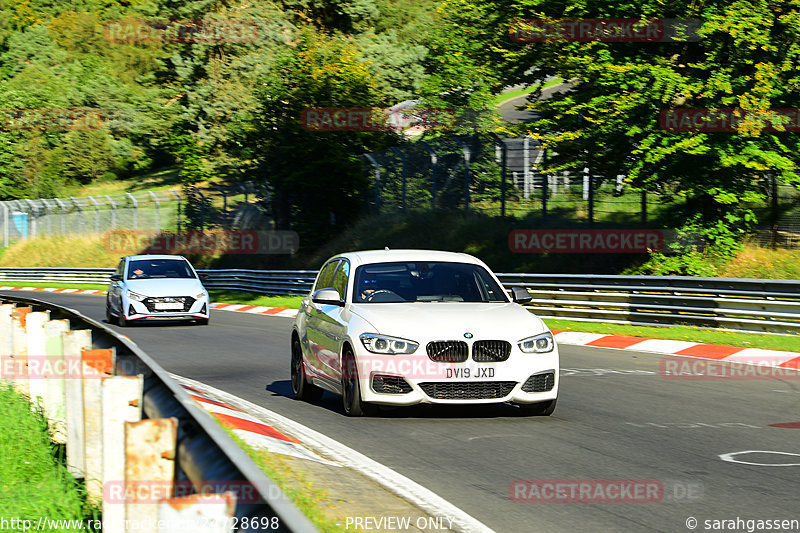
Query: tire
column 301, row 388
column 351, row 390
column 538, row 409
column 122, row 321
column 109, row 316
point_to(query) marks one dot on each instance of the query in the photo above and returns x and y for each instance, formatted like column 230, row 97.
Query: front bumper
column 414, row 379
column 145, row 310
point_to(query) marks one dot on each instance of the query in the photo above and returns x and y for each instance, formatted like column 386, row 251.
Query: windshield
column 425, row 282
column 159, row 268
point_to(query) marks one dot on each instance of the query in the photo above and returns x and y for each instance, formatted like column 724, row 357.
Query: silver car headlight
column 389, row 345
column 542, row 343
column 135, row 296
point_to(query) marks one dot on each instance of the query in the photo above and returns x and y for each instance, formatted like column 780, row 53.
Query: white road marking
column 411, row 491
column 729, row 457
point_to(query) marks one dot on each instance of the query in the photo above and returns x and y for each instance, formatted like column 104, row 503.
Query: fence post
column 377, row 182
column 403, row 166
column 158, row 206
column 5, row 224
column 135, row 210
column 501, row 156
column 467, row 156
column 113, row 211
column 32, row 217
column 96, row 365
column 63, row 215
column 526, row 168
column 178, row 221
column 434, row 167
column 545, row 185
column 644, row 207
column 96, row 214
column 6, row 336
column 774, row 211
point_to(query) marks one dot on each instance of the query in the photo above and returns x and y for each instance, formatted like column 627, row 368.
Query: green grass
column 84, row 286
column 249, row 298
column 309, row 499
column 789, row 343
column 510, row 95
column 35, row 482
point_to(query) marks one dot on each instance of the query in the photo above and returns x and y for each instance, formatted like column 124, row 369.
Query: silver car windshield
column 159, row 268
column 425, row 282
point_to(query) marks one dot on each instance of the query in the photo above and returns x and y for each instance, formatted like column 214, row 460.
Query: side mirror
column 327, row 296
column 203, row 277
column 521, row 295
column 116, row 277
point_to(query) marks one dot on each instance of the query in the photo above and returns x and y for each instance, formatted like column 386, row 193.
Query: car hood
column 165, row 286
column 451, row 320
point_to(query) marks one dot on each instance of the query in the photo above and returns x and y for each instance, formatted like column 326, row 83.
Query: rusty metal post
column 199, row 513
column 19, row 349
column 149, row 468
column 97, row 365
column 6, row 340
column 122, row 402
column 74, row 343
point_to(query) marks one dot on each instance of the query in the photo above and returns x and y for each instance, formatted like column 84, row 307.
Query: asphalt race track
column 617, row 418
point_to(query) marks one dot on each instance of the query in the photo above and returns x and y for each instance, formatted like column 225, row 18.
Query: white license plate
column 168, row 306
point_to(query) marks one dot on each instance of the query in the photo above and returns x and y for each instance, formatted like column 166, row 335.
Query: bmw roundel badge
column 468, row 335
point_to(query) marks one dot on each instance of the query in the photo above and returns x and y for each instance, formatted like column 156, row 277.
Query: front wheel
column 538, row 409
column 301, row 388
column 351, row 390
column 109, row 315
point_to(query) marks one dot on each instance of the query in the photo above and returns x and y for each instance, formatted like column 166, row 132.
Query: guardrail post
column 75, row 341
column 54, row 400
column 6, row 340
column 149, row 467
column 34, row 333
column 96, row 366
column 122, row 402
column 19, row 349
column 198, row 513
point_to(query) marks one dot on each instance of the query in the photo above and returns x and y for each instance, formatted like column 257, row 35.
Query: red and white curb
column 256, row 309
column 51, row 289
column 254, row 432
column 242, row 308
column 717, row 352
column 411, row 491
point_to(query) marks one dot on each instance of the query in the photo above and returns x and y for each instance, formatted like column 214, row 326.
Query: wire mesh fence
column 240, row 205
column 510, row 177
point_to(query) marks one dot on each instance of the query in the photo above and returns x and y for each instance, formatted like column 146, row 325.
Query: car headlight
column 200, row 295
column 542, row 343
column 388, row 345
column 135, row 296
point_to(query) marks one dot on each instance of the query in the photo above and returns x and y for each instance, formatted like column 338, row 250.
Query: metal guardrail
column 756, row 305
column 205, row 452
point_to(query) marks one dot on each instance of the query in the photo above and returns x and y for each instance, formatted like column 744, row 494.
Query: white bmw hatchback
column 403, row 327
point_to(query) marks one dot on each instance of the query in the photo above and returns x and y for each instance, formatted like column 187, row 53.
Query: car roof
column 364, row 257
column 155, row 256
